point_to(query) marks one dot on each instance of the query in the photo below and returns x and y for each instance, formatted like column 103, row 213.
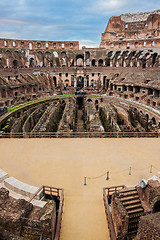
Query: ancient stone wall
column 120, row 218
column 15, row 214
column 31, row 44
column 132, row 31
column 149, row 227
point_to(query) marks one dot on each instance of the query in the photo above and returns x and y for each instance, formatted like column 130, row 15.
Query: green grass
column 93, row 96
column 20, row 106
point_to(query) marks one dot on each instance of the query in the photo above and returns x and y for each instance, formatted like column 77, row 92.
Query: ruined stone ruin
column 14, row 215
column 125, row 66
column 134, row 213
column 55, row 87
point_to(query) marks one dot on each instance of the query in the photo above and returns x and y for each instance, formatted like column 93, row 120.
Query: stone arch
column 96, row 104
column 66, row 83
column 147, row 116
column 55, row 54
column 153, row 120
column 156, row 206
column 100, row 63
column 48, row 53
column 15, row 63
column 107, row 62
column 92, row 82
column 93, row 63
column 144, row 63
column 55, row 81
column 89, row 100
column 154, row 57
column 80, row 60
column 31, row 62
column 87, row 58
column 80, row 82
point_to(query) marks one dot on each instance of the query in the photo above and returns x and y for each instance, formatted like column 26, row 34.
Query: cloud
column 88, row 43
column 5, row 20
column 106, row 6
column 64, row 20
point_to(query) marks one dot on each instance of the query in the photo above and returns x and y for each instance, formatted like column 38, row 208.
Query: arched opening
column 80, row 82
column 51, row 63
column 153, row 120
column 55, row 81
column 31, row 62
column 93, row 63
column 89, row 100
column 92, row 83
column 64, row 62
column 156, row 207
column 80, row 60
column 15, row 63
column 104, row 82
column 143, row 63
column 96, row 105
column 87, row 59
column 66, row 83
column 147, row 117
column 107, row 62
column 100, row 63
column 154, row 59
column 55, row 54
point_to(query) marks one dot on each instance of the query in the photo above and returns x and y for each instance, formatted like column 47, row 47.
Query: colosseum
column 52, row 94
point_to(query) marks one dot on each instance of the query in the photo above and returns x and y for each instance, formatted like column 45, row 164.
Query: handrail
column 81, row 135
column 114, row 189
column 59, row 219
column 108, row 216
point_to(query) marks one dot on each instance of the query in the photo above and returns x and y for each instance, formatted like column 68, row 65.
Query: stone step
column 133, row 193
column 135, row 211
column 127, row 190
column 133, row 227
column 135, row 201
column 129, row 198
column 135, row 206
column 132, row 234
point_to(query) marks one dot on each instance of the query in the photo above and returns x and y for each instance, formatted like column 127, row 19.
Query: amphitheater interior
column 52, row 88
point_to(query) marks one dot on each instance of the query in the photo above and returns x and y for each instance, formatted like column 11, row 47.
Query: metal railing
column 108, row 216
column 59, row 218
column 82, row 135
column 106, row 196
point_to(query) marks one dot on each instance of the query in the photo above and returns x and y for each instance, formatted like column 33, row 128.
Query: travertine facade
column 132, row 31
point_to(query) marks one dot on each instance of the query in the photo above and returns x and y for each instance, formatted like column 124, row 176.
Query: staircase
column 131, row 201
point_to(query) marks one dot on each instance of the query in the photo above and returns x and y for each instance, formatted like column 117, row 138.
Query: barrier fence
column 82, row 135
column 52, row 192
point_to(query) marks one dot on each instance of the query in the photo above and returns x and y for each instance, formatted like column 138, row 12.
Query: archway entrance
column 156, row 207
column 55, row 81
column 15, row 63
column 80, row 60
column 80, row 82
column 31, row 62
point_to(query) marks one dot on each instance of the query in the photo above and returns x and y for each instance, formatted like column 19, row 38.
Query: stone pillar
column 74, row 62
column 6, row 93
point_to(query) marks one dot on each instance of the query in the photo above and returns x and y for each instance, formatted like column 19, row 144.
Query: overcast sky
column 82, row 20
